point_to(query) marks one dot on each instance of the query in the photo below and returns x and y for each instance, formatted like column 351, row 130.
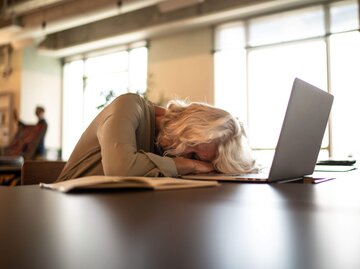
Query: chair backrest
column 26, row 141
column 34, row 172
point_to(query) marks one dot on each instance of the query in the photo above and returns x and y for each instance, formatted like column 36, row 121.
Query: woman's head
column 203, row 132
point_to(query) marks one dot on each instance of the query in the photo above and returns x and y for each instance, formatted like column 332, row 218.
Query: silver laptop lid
column 302, row 132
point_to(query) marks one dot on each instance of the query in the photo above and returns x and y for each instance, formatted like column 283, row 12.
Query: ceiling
column 61, row 28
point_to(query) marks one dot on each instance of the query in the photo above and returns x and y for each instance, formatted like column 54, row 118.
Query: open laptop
column 300, row 138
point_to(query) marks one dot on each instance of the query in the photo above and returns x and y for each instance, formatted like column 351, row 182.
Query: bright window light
column 286, row 26
column 90, row 84
column 344, row 16
column 345, row 85
column 72, row 106
column 271, row 73
column 138, row 70
column 230, row 80
column 257, row 60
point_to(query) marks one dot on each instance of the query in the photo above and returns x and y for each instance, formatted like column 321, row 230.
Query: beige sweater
column 119, row 141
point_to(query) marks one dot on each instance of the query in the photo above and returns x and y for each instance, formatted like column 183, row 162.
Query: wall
column 181, row 66
column 12, row 82
column 41, row 83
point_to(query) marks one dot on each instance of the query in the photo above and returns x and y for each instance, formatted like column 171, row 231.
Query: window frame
column 326, row 7
column 82, row 90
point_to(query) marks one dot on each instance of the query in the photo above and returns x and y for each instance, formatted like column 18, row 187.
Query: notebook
column 128, row 182
column 299, row 141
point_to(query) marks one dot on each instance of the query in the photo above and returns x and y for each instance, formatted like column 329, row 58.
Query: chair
column 26, row 141
column 22, row 147
column 34, row 172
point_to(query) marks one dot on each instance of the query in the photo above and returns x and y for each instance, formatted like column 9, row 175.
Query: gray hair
column 191, row 124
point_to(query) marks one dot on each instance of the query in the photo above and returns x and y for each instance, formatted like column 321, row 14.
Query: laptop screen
column 302, row 132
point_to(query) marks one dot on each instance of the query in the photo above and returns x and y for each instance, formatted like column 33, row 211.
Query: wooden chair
column 26, row 141
column 34, row 172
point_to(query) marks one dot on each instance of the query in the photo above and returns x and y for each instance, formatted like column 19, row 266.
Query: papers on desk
column 334, row 168
column 118, row 182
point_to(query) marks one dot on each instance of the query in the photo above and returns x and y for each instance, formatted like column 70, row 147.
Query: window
column 287, row 26
column 345, row 85
column 257, row 60
column 93, row 82
column 230, row 69
column 269, row 91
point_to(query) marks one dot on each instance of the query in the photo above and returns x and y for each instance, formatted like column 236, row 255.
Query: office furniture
column 6, row 118
column 26, row 141
column 10, row 170
column 14, row 148
column 34, row 172
column 252, row 226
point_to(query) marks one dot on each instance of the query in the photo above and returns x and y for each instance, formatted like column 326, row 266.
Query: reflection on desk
column 236, row 225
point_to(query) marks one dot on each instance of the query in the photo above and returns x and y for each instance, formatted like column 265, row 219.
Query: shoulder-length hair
column 191, row 124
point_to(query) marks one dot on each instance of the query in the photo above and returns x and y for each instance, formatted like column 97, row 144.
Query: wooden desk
column 279, row 226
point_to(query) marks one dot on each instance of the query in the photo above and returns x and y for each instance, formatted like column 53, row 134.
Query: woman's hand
column 189, row 166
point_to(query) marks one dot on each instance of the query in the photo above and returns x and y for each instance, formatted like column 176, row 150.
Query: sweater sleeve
column 119, row 151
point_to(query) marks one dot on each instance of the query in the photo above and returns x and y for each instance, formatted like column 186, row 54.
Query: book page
column 67, row 185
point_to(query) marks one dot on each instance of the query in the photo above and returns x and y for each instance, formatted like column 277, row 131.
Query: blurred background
column 72, row 57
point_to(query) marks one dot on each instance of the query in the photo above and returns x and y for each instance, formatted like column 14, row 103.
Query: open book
column 118, row 182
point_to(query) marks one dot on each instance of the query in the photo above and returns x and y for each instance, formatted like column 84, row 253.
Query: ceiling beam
column 67, row 27
column 150, row 22
column 70, row 14
column 11, row 8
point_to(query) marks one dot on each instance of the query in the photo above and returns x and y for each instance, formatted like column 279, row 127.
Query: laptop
column 300, row 138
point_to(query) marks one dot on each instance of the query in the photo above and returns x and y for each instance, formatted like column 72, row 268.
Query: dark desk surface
column 279, row 226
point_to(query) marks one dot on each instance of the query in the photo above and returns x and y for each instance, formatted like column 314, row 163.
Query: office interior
column 74, row 57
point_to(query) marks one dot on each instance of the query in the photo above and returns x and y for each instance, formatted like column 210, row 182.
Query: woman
column 131, row 136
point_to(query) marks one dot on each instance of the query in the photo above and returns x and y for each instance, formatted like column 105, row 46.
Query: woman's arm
column 190, row 166
column 117, row 136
